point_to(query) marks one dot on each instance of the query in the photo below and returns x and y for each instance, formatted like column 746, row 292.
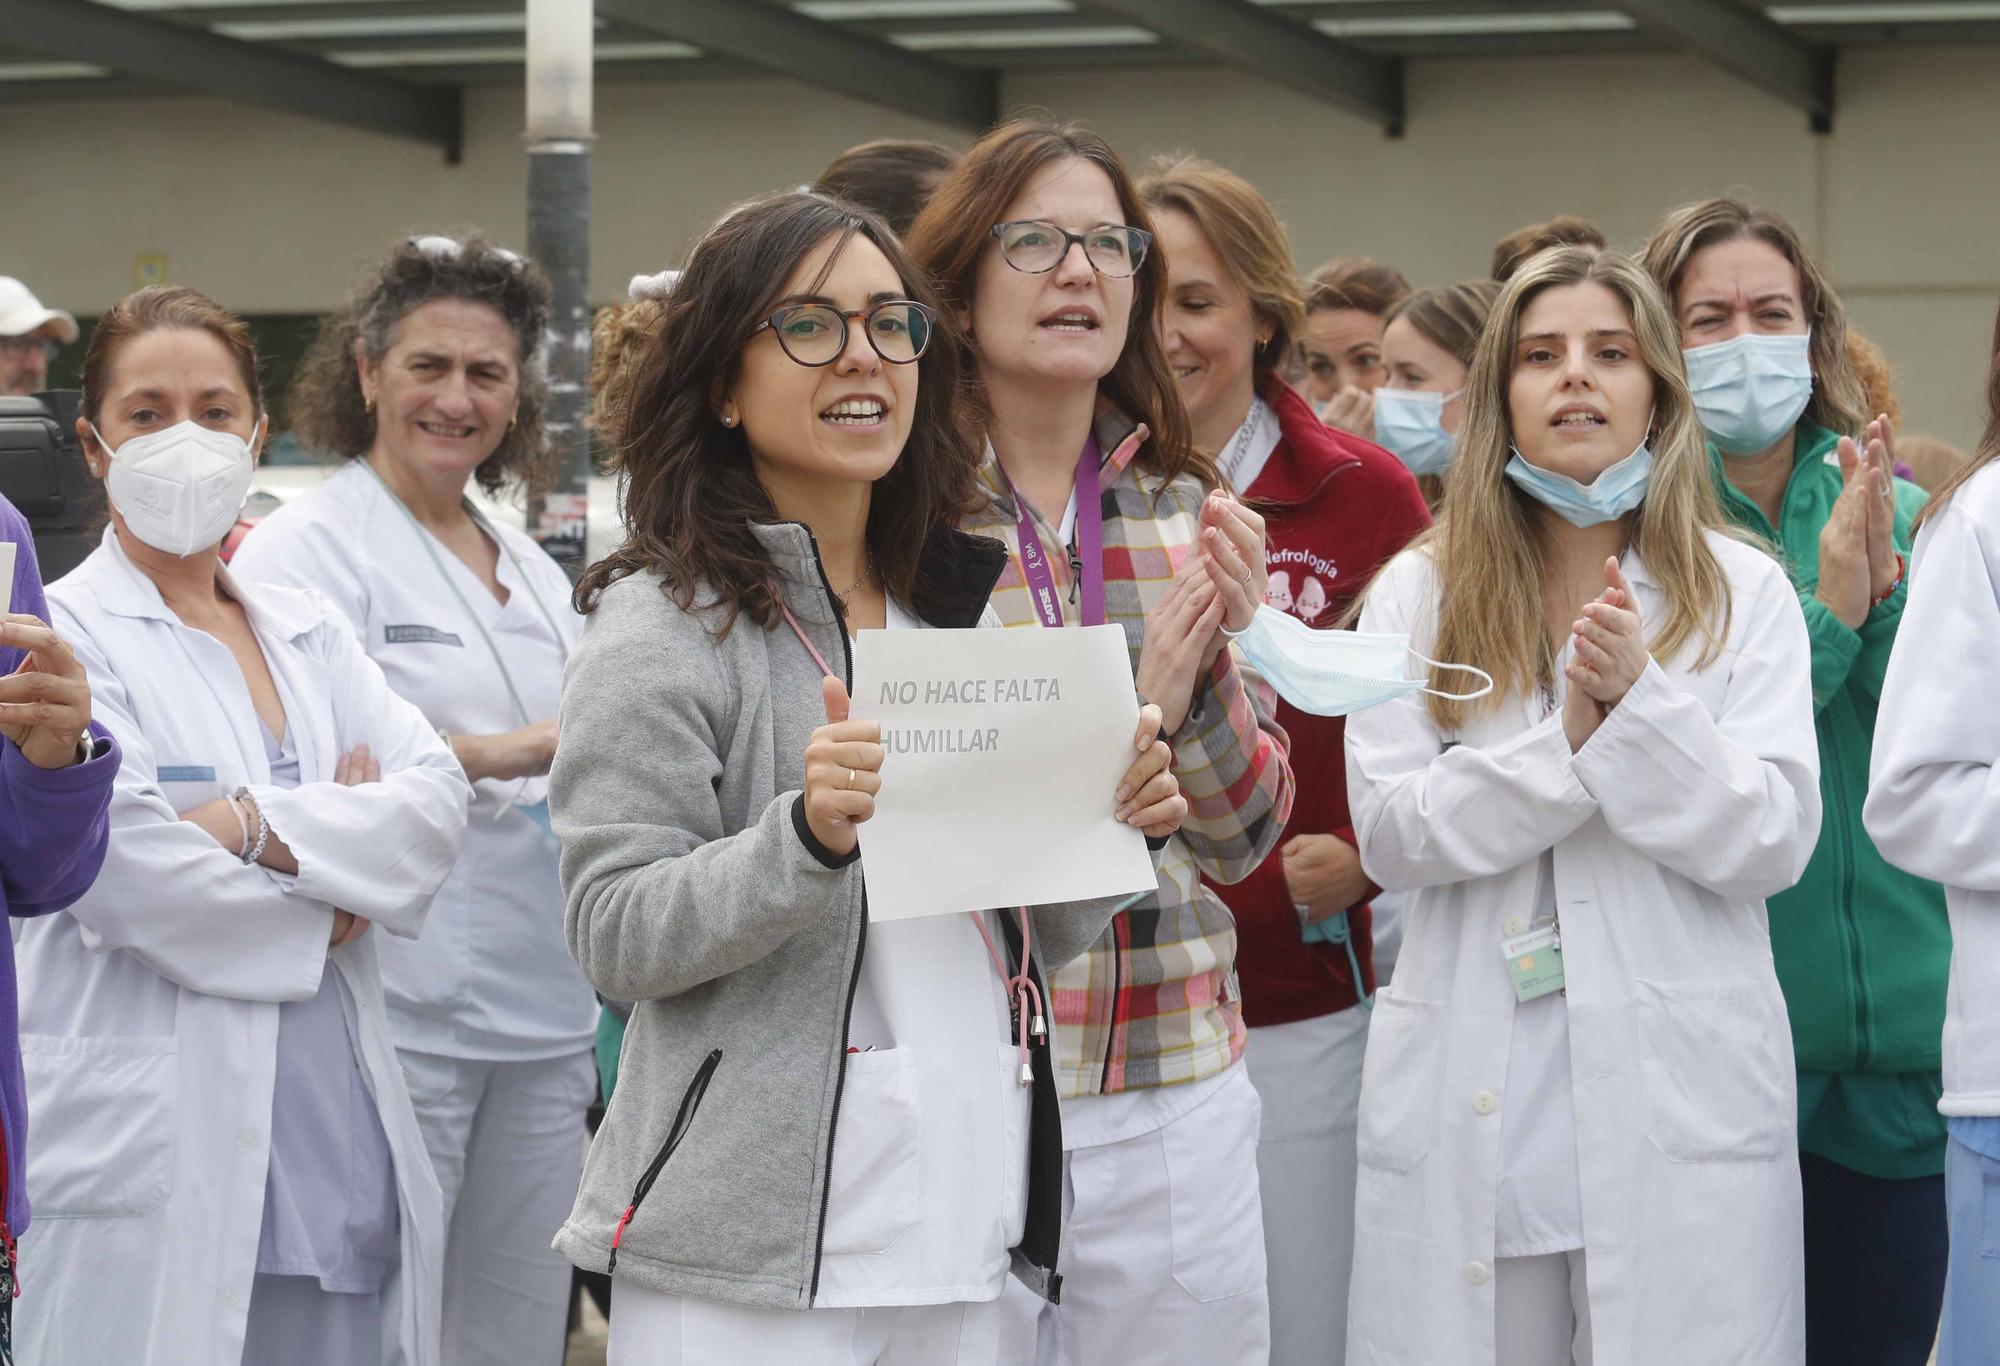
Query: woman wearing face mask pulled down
column 227, row 1167
column 425, row 381
column 814, row 1113
column 1862, row 947
column 1934, row 808
column 1577, row 1132
column 1336, row 508
column 1111, row 513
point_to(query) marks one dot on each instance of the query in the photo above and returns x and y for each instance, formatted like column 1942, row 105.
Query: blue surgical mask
column 1615, row 491
column 1333, row 673
column 538, row 812
column 1409, row 424
column 1750, row 390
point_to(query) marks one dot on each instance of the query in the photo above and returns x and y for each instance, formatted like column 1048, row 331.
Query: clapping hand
column 1607, row 654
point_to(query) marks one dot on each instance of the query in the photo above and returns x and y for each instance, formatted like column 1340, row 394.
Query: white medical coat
column 1933, row 796
column 492, row 977
column 1696, row 798
column 149, row 1009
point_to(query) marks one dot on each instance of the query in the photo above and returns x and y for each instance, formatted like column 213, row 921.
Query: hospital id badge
column 1535, row 962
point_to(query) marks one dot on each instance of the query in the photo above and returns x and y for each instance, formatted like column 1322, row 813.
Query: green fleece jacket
column 1862, row 948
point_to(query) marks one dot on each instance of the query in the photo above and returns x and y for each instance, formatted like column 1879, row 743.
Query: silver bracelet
column 256, row 851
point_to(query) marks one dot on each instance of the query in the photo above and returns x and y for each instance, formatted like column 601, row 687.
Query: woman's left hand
column 1610, row 642
column 1232, row 551
column 1149, row 795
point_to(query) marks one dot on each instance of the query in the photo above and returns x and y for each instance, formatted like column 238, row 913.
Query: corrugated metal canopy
column 396, row 65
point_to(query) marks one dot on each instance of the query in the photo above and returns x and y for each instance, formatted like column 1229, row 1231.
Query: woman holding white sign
column 1582, row 1069
column 1111, row 513
column 813, row 1113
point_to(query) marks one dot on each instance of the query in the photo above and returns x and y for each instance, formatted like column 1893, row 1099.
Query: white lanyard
column 424, row 539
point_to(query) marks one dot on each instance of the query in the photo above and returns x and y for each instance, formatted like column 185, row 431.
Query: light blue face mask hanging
column 1409, row 424
column 1606, row 498
column 1334, row 673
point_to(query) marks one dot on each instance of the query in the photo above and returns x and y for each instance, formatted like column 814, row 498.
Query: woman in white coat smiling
column 227, row 1167
column 1581, row 1146
column 428, row 380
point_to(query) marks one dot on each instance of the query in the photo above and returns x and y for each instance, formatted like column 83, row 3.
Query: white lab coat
column 149, row 1009
column 492, row 978
column 1696, row 799
column 1933, row 797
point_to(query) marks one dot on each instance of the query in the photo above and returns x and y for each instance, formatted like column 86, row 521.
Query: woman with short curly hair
column 427, row 379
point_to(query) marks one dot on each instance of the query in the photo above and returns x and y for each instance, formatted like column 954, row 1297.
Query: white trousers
column 507, row 1141
column 1308, row 1076
column 1541, row 1311
column 1163, row 1249
column 652, row 1329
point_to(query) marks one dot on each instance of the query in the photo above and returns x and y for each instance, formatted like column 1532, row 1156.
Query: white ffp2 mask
column 180, row 489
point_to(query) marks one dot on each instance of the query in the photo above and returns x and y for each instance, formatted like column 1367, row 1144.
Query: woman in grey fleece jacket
column 755, row 1157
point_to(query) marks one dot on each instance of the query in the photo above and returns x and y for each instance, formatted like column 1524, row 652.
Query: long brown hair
column 1838, row 402
column 1244, row 231
column 1490, row 544
column 1989, row 441
column 689, row 492
column 956, row 227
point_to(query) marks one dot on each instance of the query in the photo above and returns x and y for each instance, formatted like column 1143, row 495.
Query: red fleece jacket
column 1338, row 508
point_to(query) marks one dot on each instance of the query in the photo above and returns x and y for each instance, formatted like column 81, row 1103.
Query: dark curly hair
column 328, row 411
column 690, row 495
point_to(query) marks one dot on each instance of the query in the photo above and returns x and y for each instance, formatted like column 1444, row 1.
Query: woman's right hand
column 1177, row 635
column 524, row 753
column 1351, row 410
column 843, row 772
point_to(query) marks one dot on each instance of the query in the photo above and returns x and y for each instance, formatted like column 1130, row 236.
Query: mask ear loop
column 1457, row 668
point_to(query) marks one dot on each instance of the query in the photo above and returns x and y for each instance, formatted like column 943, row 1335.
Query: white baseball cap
column 21, row 313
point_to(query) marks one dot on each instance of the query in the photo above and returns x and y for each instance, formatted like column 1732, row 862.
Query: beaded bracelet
column 1902, row 568
column 256, row 851
column 242, row 826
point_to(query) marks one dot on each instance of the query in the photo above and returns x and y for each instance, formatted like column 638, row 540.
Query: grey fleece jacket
column 695, row 889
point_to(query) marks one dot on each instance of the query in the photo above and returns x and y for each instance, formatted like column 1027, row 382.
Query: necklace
column 1239, row 448
column 867, row 573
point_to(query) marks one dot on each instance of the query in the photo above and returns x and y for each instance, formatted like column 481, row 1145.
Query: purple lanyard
column 1089, row 544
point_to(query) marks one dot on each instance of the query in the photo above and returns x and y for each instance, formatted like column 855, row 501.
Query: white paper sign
column 7, row 575
column 1004, row 753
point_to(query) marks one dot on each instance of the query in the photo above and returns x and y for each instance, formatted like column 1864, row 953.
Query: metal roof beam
column 185, row 57
column 786, row 43
column 1748, row 44
column 1248, row 36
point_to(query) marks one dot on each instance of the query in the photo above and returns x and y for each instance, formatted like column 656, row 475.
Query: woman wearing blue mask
column 1427, row 345
column 1862, row 947
column 1581, row 1071
column 427, row 383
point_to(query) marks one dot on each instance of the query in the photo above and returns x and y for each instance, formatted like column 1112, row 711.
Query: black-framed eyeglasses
column 816, row 334
column 1035, row 247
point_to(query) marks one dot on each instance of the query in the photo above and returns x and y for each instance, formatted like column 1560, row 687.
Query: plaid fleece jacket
column 1154, row 1002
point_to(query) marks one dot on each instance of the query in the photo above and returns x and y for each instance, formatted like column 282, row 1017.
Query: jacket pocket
column 873, row 1197
column 683, row 1118
column 1712, row 1072
column 1016, row 1115
column 105, row 1122
column 1212, row 1193
column 1400, row 1078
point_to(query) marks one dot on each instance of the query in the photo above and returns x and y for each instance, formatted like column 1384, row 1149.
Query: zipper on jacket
column 1850, row 927
column 860, row 948
column 690, row 1102
column 1119, row 939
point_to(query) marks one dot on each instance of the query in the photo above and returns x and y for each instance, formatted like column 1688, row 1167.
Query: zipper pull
column 1027, row 1075
column 1039, row 1029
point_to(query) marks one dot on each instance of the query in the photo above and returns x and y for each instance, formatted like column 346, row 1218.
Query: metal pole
column 559, row 134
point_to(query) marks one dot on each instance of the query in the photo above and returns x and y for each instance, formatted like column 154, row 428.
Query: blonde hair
column 1240, row 225
column 618, row 335
column 1491, row 545
column 1838, row 400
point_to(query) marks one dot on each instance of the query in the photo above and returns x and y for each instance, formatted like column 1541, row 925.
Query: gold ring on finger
column 850, row 780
